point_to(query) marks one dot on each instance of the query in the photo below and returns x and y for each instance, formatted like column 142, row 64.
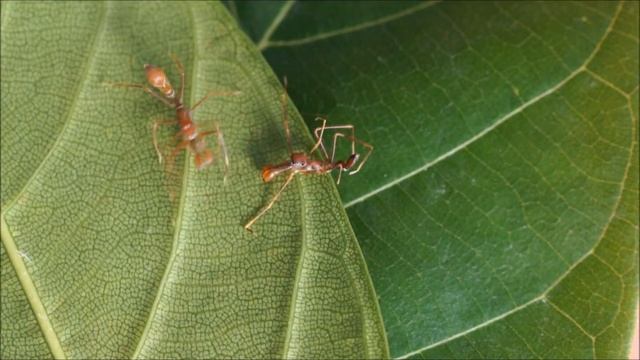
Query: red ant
column 191, row 138
column 301, row 163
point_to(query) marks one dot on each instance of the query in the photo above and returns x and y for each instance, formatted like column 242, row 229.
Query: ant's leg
column 171, row 159
column 364, row 160
column 273, row 200
column 157, row 124
column 318, row 132
column 319, row 142
column 353, row 134
column 285, row 115
column 221, row 146
column 335, row 141
column 353, row 140
column 339, row 175
column 215, row 93
column 350, row 127
column 145, row 89
column 181, row 72
column 182, row 145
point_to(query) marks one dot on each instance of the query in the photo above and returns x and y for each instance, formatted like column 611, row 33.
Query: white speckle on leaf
column 440, row 190
column 25, row 256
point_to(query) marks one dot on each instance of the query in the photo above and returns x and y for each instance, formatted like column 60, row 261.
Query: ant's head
column 268, row 173
column 158, row 79
column 298, row 161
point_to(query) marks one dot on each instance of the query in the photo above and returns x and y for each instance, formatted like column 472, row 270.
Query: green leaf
column 498, row 212
column 99, row 262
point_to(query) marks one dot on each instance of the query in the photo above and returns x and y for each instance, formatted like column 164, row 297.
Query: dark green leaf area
column 485, row 240
column 523, row 329
column 257, row 15
column 501, row 200
column 419, row 86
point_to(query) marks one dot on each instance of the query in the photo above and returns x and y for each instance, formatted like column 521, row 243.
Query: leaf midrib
column 299, row 263
column 26, row 282
column 181, row 204
column 30, row 292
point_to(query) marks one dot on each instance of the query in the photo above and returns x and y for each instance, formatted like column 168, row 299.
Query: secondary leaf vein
column 347, row 30
column 282, row 14
column 496, row 123
column 72, row 106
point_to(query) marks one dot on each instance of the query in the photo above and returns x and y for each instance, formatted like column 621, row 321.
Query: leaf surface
column 98, row 261
column 498, row 213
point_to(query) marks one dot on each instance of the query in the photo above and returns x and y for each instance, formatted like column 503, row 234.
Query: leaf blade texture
column 98, row 260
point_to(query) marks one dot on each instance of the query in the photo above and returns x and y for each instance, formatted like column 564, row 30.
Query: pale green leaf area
column 498, row 214
column 106, row 255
